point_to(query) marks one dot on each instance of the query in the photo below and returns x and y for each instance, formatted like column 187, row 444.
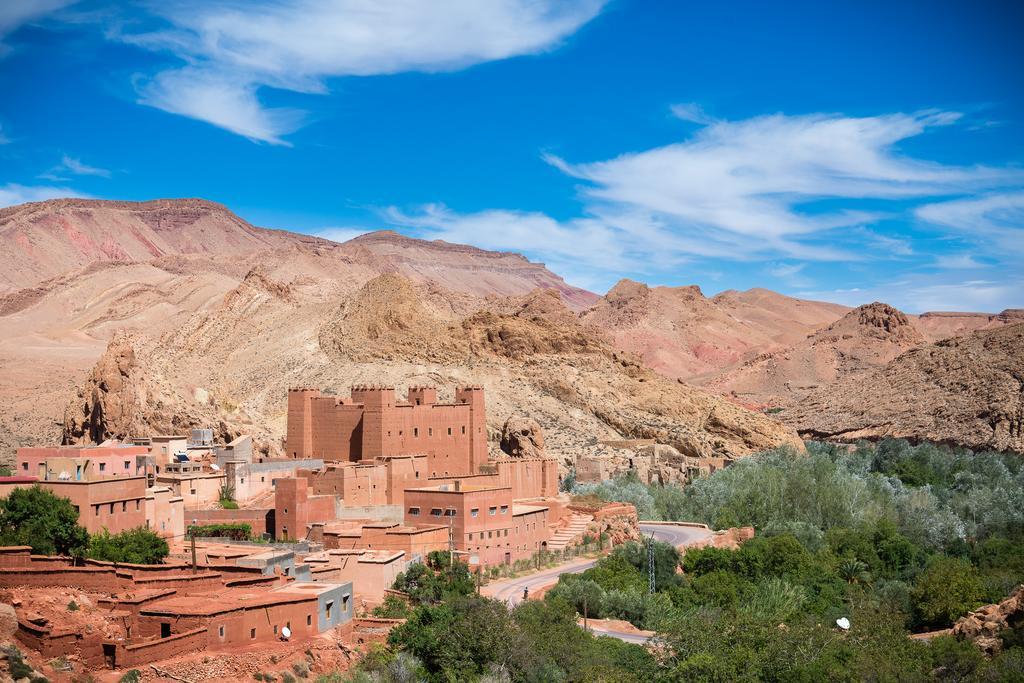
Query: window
column 415, row 431
column 252, row 633
column 327, row 610
column 474, row 512
column 504, row 509
column 97, row 510
column 471, row 536
column 449, row 431
column 414, row 511
column 124, row 506
column 309, row 620
column 489, row 535
column 165, row 630
column 193, row 492
column 344, row 602
column 262, row 479
column 430, row 431
column 463, row 429
column 449, row 513
column 506, row 532
column 492, row 510
column 103, row 466
column 220, row 631
column 24, row 466
column 138, row 505
column 127, row 464
column 435, row 512
column 111, row 508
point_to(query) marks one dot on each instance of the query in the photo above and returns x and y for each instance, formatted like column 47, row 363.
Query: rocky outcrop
column 522, row 437
column 967, row 391
column 984, row 625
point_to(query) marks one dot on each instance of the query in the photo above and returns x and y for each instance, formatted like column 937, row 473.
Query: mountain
column 74, row 271
column 530, row 352
column 683, row 334
column 966, row 390
column 865, row 338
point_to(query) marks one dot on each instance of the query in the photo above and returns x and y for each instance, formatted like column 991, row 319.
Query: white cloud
column 16, row 13
column 735, row 191
column 958, row 262
column 692, row 112
column 231, row 50
column 12, row 194
column 3, row 138
column 940, row 292
column 340, row 234
column 750, row 178
column 994, row 223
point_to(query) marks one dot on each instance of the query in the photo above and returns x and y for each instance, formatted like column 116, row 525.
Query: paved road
column 511, row 590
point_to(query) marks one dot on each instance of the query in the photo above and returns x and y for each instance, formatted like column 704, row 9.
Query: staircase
column 570, row 533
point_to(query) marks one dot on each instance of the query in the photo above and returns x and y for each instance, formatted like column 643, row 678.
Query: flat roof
column 450, row 488
column 229, row 600
column 527, row 509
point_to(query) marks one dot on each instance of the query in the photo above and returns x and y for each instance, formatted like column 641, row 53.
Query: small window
column 243, row 480
column 344, row 602
column 138, row 505
column 449, row 513
column 414, row 511
column 262, row 479
column 506, row 532
column 252, row 633
column 504, row 509
column 435, row 512
column 489, row 535
column 415, row 431
column 97, row 510
column 475, row 512
column 124, row 506
column 24, row 466
column 286, row 511
column 463, row 429
column 471, row 536
column 111, row 508
column 327, row 610
column 309, row 620
column 492, row 510
column 430, row 431
column 220, row 631
column 449, row 431
column 193, row 492
column 103, row 466
column 127, row 464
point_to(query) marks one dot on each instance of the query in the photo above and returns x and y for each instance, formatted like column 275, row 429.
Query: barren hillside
column 529, row 352
column 966, row 390
column 683, row 334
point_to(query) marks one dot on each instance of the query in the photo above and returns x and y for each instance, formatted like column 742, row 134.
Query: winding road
column 511, row 590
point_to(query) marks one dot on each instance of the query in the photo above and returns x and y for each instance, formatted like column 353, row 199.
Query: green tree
column 37, row 518
column 947, row 590
column 134, row 546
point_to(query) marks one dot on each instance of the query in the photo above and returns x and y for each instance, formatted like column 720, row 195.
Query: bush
column 135, row 546
column 236, row 531
column 947, row 590
column 72, row 606
column 37, row 518
column 131, row 676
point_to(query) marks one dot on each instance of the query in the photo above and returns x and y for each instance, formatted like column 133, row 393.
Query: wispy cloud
column 12, row 193
column 692, row 112
column 993, row 223
column 941, row 292
column 16, row 13
column 73, row 166
column 231, row 51
column 753, row 190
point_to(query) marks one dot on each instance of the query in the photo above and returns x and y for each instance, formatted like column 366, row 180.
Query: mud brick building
column 373, row 423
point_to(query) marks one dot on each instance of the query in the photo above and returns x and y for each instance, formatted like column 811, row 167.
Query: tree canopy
column 36, row 517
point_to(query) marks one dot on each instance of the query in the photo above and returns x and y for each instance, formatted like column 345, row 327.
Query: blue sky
column 843, row 151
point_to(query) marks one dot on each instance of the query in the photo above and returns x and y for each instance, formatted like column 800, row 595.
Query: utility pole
column 451, row 542
column 192, row 533
column 650, row 564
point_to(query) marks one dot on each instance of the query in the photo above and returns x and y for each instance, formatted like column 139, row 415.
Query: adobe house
column 372, row 423
column 80, row 463
column 483, row 520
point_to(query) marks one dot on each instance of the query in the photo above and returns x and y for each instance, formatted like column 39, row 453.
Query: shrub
column 948, row 589
column 72, row 606
column 236, row 531
column 135, row 546
column 131, row 676
column 301, row 669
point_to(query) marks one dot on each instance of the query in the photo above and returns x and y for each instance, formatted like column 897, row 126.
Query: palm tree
column 853, row 570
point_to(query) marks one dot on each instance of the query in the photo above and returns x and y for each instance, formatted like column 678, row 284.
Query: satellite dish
column 215, row 467
column 286, row 633
column 843, row 623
